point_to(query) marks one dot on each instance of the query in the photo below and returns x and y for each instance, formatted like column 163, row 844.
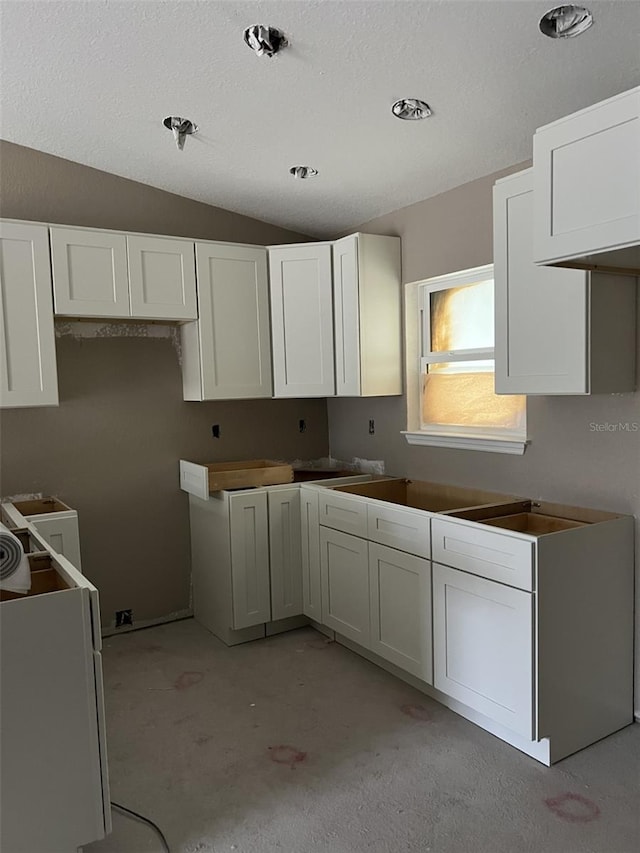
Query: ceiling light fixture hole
column 564, row 22
column 303, row 172
column 411, row 109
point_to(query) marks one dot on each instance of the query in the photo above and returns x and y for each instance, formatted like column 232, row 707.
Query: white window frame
column 493, row 439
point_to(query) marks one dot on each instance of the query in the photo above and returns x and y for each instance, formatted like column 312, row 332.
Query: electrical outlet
column 215, row 430
column 124, row 617
column 372, row 427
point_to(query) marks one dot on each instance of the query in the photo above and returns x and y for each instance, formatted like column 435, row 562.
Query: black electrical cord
column 146, row 820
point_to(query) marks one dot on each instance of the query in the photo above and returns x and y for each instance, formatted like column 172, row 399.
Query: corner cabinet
column 28, row 374
column 121, row 276
column 367, row 315
column 557, row 331
column 302, row 320
column 226, row 354
column 587, row 187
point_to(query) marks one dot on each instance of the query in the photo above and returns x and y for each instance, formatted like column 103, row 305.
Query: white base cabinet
column 56, row 523
column 344, row 571
column 400, row 608
column 28, row 375
column 483, row 642
column 587, row 187
column 310, row 555
column 510, row 597
column 558, row 331
column 54, row 786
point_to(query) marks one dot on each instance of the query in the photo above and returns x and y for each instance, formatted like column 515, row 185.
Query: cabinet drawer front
column 483, row 647
column 404, row 529
column 346, row 513
column 344, row 566
column 496, row 556
column 400, row 596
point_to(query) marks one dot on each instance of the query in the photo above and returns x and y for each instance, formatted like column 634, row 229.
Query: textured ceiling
column 92, row 81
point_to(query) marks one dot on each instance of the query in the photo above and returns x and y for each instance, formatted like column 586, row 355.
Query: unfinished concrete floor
column 297, row 745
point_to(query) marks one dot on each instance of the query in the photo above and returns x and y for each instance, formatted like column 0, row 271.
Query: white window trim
column 490, row 439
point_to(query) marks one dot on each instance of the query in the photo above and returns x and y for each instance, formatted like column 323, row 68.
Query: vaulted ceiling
column 92, row 82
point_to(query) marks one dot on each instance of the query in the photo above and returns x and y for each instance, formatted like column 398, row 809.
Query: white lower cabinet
column 285, row 553
column 54, row 779
column 249, row 558
column 310, row 557
column 246, row 560
column 56, row 523
column 483, row 646
column 344, row 570
column 400, row 607
column 28, row 375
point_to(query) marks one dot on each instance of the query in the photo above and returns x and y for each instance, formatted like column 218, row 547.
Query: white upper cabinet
column 587, row 187
column 227, row 353
column 558, row 331
column 109, row 274
column 302, row 320
column 90, row 276
column 367, row 315
column 162, row 281
column 28, row 375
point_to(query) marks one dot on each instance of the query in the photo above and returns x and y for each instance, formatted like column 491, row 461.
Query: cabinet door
column 310, row 538
column 28, row 374
column 587, row 181
column 541, row 344
column 232, row 352
column 90, row 277
column 285, row 553
column 400, row 597
column 346, row 316
column 249, row 559
column 483, row 647
column 344, row 571
column 302, row 321
column 162, row 278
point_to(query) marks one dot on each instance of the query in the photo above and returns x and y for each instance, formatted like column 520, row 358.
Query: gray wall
column 567, row 461
column 111, row 448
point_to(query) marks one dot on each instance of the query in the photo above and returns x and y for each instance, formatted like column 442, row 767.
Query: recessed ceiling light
column 181, row 128
column 564, row 22
column 303, row 172
column 411, row 109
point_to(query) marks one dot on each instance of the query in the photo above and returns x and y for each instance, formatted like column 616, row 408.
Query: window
column 455, row 404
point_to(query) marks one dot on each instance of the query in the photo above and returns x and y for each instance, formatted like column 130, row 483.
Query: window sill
column 490, row 444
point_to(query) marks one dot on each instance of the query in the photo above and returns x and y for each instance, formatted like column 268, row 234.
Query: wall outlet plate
column 124, row 617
